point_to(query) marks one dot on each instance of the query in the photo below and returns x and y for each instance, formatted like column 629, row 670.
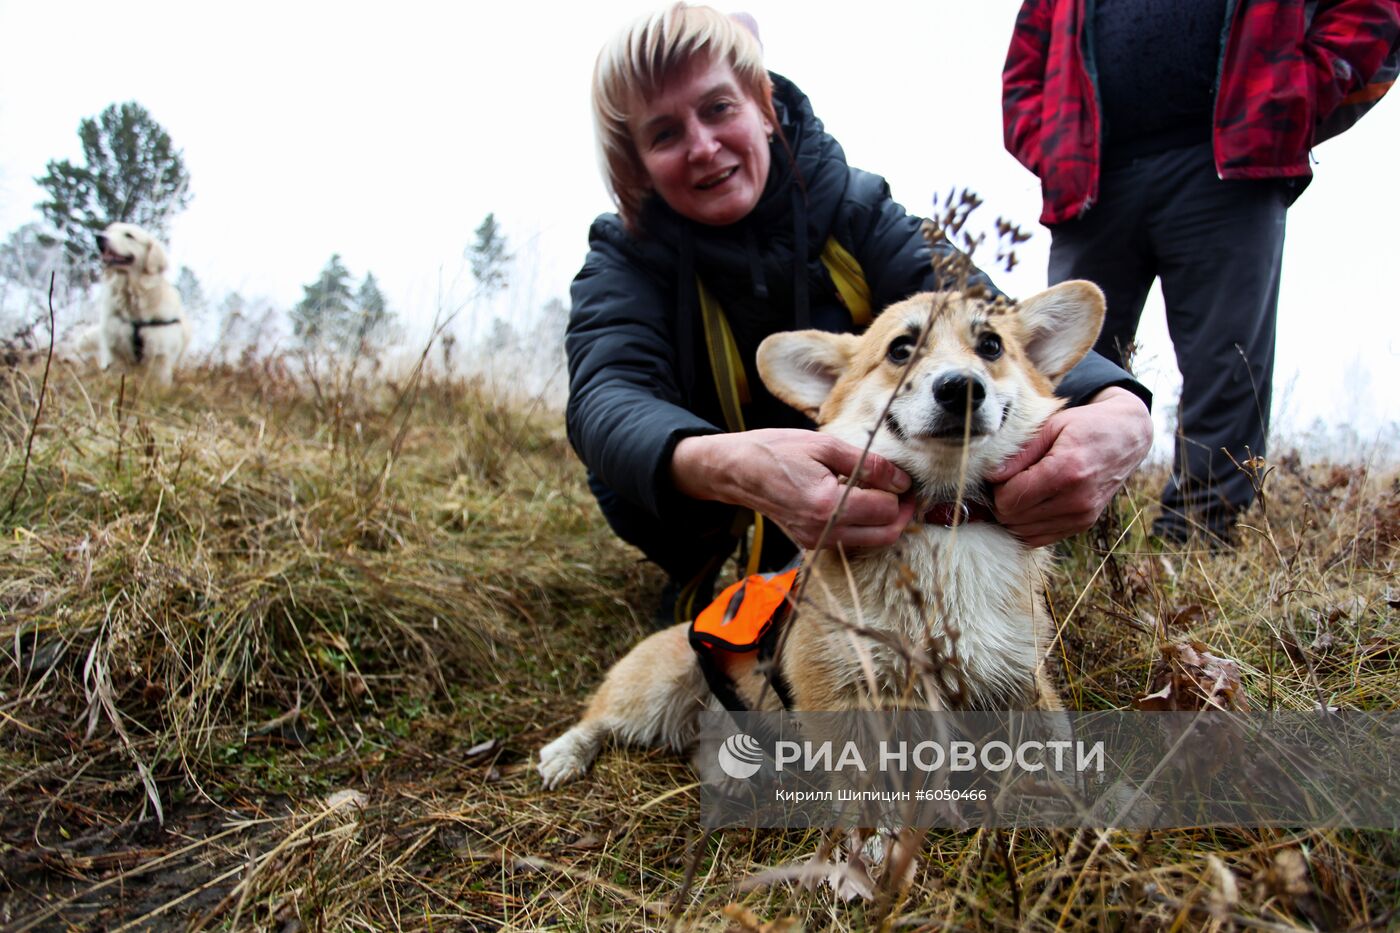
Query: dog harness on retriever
column 138, row 343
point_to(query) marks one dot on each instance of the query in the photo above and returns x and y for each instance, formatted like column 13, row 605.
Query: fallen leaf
column 1291, row 648
column 746, row 921
column 1187, row 677
column 1323, row 643
column 1186, row 617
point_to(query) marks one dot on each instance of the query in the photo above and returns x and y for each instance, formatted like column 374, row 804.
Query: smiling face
column 704, row 144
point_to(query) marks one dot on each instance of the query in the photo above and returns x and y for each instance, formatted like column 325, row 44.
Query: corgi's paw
column 566, row 758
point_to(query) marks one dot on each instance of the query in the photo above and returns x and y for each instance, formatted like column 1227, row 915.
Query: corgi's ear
column 801, row 366
column 155, row 258
column 1060, row 325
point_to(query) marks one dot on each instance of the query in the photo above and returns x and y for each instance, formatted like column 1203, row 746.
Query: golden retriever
column 141, row 322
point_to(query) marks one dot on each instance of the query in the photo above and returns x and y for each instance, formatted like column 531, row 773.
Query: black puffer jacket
column 639, row 376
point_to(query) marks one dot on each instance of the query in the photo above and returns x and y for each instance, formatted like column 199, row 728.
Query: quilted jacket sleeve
column 624, row 415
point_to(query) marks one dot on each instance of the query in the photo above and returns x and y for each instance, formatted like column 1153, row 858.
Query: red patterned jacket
column 1279, row 76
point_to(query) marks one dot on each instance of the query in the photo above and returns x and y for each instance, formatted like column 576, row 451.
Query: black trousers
column 1217, row 246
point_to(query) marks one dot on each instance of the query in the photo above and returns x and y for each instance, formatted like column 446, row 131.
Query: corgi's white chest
column 968, row 600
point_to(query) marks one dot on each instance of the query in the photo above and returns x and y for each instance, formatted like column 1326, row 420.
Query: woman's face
column 704, row 144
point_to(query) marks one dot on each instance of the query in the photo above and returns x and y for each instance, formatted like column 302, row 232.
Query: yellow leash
column 731, row 378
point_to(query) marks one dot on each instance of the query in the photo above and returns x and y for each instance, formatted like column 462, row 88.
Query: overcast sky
column 387, row 134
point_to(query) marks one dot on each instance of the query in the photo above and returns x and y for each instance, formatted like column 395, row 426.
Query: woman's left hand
column 1059, row 483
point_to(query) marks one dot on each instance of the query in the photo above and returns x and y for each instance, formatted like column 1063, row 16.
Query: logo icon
column 740, row 756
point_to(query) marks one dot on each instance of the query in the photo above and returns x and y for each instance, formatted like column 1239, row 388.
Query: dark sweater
column 1156, row 64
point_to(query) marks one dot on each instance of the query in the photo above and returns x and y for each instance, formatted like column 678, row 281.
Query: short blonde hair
column 638, row 62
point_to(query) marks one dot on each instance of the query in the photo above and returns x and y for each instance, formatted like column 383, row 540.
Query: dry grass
column 326, row 630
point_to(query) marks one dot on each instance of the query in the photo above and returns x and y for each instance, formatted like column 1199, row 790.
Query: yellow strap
column 755, row 546
column 849, row 281
column 731, row 378
column 731, row 382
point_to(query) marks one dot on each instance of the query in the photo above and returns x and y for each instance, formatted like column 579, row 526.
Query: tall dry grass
column 275, row 654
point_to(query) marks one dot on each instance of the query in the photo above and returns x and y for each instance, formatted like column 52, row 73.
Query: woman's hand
column 1060, row 482
column 795, row 478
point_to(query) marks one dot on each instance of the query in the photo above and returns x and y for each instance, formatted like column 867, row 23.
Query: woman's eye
column 901, row 348
column 989, row 347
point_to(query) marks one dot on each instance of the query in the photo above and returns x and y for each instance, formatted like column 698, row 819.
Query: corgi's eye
column 989, row 347
column 901, row 348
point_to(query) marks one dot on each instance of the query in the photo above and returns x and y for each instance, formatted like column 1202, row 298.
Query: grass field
column 277, row 656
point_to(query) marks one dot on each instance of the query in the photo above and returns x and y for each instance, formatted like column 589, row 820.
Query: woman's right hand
column 796, row 478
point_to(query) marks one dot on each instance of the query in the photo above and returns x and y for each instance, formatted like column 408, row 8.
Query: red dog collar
column 952, row 514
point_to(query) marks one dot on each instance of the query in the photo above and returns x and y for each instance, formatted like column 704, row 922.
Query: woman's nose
column 703, row 145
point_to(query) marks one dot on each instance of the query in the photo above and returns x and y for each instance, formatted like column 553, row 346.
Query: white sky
column 310, row 128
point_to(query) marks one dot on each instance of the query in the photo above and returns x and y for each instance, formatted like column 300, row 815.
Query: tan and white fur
column 135, row 296
column 962, row 607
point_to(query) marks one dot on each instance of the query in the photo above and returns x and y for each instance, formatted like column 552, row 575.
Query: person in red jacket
column 1170, row 137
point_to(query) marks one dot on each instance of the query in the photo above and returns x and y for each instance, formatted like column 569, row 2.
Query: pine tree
column 191, row 292
column 502, row 339
column 374, row 310
column 325, row 310
column 27, row 256
column 131, row 172
column 488, row 256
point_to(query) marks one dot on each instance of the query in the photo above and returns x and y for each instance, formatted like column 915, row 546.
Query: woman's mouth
column 717, row 179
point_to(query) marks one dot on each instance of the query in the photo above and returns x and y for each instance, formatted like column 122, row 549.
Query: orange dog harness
column 746, row 617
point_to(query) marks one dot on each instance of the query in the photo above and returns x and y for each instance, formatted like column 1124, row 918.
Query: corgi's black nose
column 952, row 393
column 102, row 241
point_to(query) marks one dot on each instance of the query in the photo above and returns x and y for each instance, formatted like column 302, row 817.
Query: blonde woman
column 723, row 176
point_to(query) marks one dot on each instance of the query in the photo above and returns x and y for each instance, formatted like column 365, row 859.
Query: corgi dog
column 950, row 617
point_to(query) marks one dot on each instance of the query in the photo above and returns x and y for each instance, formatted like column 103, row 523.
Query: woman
column 724, row 178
